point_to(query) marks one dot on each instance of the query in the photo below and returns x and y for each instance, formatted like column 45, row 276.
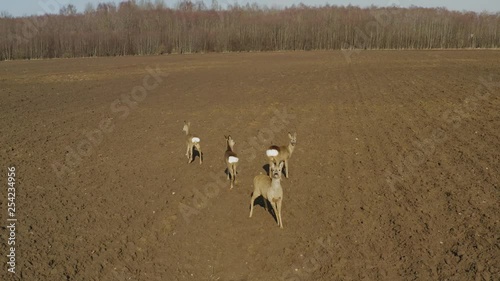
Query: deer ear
column 281, row 164
column 289, row 135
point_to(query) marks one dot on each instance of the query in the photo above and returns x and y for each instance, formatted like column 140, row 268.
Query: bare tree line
column 142, row 28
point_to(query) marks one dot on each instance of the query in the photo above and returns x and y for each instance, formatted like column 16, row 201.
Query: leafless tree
column 144, row 27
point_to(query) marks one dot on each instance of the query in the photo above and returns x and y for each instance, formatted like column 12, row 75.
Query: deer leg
column 275, row 212
column 286, row 168
column 279, row 213
column 233, row 175
column 199, row 151
column 252, row 201
column 189, row 153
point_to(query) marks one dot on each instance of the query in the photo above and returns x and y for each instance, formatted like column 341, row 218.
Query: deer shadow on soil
column 195, row 154
column 260, row 201
column 226, row 172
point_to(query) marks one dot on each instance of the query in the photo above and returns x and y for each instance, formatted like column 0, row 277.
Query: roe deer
column 270, row 189
column 192, row 142
column 282, row 153
column 231, row 160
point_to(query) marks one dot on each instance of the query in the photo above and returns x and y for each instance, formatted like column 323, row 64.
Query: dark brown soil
column 395, row 175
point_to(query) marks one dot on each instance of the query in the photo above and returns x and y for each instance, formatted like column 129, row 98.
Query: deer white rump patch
column 195, row 139
column 272, row 152
column 233, row 159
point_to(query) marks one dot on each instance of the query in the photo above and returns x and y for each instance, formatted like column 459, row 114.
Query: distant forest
column 144, row 28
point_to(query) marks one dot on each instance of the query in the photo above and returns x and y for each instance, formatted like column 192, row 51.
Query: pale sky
column 29, row 7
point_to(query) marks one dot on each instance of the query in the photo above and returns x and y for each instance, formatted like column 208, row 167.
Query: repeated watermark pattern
column 383, row 18
column 322, row 253
column 452, row 119
column 325, row 254
column 31, row 26
column 121, row 108
column 253, row 145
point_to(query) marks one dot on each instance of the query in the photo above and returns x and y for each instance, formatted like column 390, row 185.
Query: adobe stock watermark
column 277, row 124
column 121, row 108
column 323, row 254
column 247, row 151
column 327, row 253
column 383, row 18
column 452, row 119
column 32, row 25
